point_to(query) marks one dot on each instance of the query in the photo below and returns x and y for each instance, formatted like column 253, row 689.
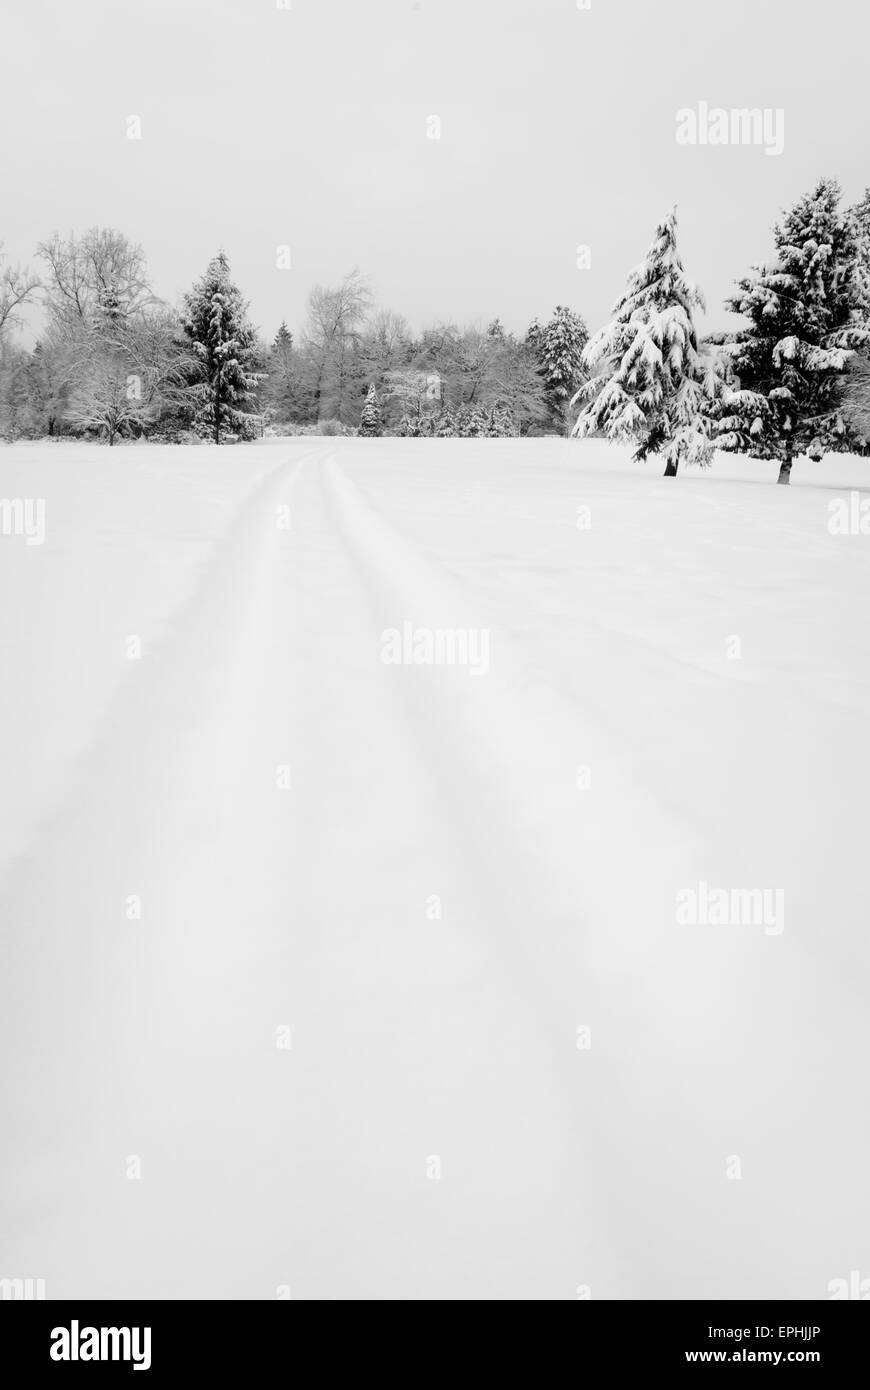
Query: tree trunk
column 671, row 470
column 217, row 409
column 785, row 466
column 318, row 390
column 340, row 381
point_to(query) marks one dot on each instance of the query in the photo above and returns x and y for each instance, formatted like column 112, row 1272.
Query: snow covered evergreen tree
column 370, row 420
column 280, row 391
column 501, row 423
column 807, row 312
column 281, row 354
column 651, row 381
column 859, row 217
column 559, row 347
column 215, row 319
column 469, row 422
column 855, row 393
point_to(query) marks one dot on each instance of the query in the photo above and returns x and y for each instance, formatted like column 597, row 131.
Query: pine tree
column 370, row 420
column 282, row 351
column 281, row 388
column 215, row 319
column 807, row 311
column 652, row 383
column 859, row 218
column 855, row 390
column 559, row 347
column 470, row 422
column 501, row 423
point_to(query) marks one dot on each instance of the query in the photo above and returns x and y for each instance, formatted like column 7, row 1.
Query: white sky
column 263, row 127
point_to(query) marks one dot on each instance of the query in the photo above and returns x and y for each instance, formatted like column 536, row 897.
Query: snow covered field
column 407, row 1011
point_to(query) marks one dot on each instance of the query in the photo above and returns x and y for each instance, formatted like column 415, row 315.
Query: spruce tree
column 859, row 218
column 470, row 422
column 370, row 420
column 807, row 311
column 282, row 352
column 280, row 391
column 501, row 423
column 215, row 319
column 559, row 348
column 651, row 382
column 856, row 392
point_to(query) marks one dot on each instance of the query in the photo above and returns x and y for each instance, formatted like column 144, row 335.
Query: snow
column 677, row 695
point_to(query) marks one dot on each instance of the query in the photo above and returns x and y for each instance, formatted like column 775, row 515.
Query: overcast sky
column 307, row 127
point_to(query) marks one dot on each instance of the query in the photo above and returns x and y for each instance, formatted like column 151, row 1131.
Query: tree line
column 115, row 361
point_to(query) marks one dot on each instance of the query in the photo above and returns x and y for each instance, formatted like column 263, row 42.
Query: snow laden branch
column 808, row 312
column 222, row 343
column 650, row 382
column 17, row 288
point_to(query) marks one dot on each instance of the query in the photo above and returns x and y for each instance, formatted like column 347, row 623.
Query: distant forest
column 116, row 361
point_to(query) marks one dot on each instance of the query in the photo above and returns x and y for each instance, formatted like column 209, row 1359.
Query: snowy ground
column 620, row 748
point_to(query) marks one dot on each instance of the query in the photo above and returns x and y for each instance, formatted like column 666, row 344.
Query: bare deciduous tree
column 17, row 288
column 99, row 274
column 335, row 317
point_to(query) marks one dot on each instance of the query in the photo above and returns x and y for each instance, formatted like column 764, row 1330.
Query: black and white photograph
column 434, row 571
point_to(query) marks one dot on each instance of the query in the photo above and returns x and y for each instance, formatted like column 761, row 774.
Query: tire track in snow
column 412, row 1038
column 260, row 910
column 581, row 939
